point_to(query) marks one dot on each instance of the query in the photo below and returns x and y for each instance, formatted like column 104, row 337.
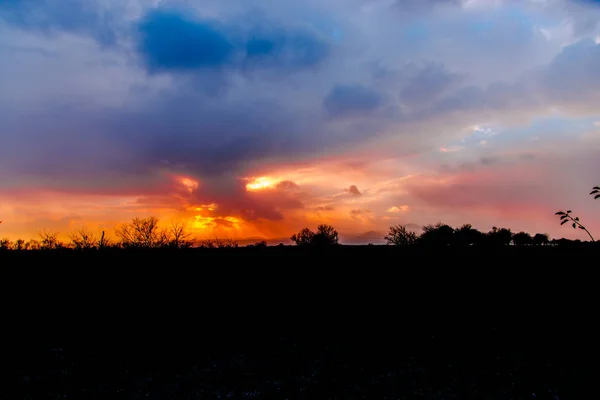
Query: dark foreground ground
column 282, row 323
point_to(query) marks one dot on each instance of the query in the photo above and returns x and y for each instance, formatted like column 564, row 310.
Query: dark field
column 286, row 323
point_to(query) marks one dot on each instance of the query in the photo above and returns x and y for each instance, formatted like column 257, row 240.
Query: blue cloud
column 429, row 83
column 288, row 49
column 351, row 99
column 76, row 16
column 171, row 42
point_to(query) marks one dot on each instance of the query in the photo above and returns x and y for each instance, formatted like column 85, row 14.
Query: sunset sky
column 256, row 118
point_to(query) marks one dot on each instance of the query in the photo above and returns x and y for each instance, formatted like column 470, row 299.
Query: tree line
column 145, row 233
column 140, row 233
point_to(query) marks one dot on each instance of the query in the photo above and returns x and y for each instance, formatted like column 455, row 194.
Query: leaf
column 576, row 218
column 596, row 196
column 564, row 217
column 574, row 225
column 596, row 188
column 569, row 211
column 564, row 222
column 594, row 191
column 559, row 213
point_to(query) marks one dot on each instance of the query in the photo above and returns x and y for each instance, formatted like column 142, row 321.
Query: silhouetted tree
column 261, row 245
column 437, row 235
column 82, row 239
column 566, row 217
column 303, row 238
column 49, row 240
column 499, row 237
column 19, row 244
column 179, row 238
column 466, row 235
column 142, row 233
column 33, row 245
column 398, row 235
column 326, row 235
column 522, row 239
column 541, row 239
column 5, row 244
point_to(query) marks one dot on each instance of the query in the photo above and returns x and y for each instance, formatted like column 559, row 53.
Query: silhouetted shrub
column 303, row 238
column 398, row 235
column 522, row 239
column 437, row 235
column 49, row 240
column 541, row 239
column 326, row 235
column 466, row 235
column 499, row 237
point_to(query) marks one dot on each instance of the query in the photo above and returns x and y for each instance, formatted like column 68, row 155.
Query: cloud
column 344, row 100
column 179, row 41
column 120, row 97
column 88, row 18
column 172, row 41
column 353, row 190
column 397, row 209
column 428, row 84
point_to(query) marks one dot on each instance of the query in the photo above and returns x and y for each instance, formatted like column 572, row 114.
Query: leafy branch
column 566, row 217
column 595, row 192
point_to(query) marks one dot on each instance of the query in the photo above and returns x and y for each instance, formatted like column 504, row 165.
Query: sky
column 253, row 118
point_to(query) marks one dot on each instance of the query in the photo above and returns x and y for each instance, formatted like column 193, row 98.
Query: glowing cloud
column 397, row 209
column 262, row 183
column 188, row 183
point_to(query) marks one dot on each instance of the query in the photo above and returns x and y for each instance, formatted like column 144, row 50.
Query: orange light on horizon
column 262, row 183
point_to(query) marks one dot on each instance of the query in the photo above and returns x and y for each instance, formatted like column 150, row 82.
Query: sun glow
column 211, row 223
column 261, row 183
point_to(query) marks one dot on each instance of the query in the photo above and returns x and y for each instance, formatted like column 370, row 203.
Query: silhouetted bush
column 398, row 235
column 325, row 236
column 522, row 239
column 466, row 235
column 541, row 239
column 437, row 235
